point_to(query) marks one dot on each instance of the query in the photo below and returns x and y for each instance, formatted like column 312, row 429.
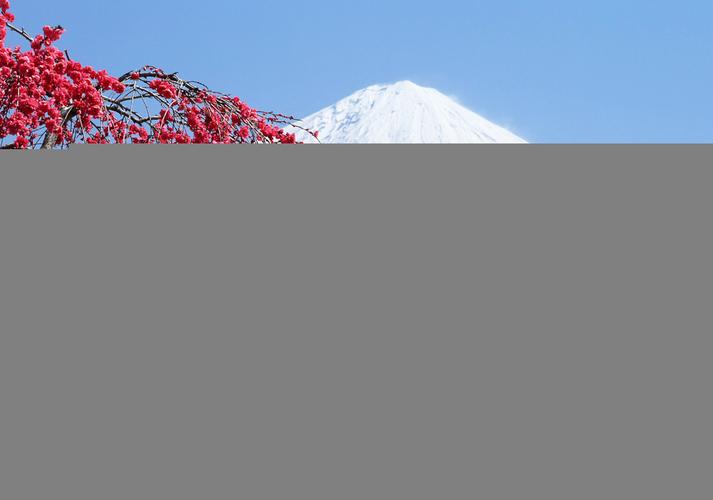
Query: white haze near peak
column 402, row 112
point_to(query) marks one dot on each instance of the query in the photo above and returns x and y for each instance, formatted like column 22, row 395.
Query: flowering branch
column 48, row 100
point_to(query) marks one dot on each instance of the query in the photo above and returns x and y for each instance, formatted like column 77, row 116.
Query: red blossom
column 53, row 34
column 165, row 116
column 38, row 42
column 163, row 88
column 21, row 142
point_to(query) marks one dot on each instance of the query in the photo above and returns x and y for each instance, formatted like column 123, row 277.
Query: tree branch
column 20, row 31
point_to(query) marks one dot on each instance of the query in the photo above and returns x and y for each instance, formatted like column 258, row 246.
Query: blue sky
column 550, row 70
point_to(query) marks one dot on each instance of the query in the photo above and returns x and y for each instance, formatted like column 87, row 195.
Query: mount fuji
column 401, row 112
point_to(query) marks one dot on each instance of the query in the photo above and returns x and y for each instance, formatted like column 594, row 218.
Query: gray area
column 356, row 323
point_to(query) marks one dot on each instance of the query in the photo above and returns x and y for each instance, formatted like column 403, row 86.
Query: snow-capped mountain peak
column 401, row 112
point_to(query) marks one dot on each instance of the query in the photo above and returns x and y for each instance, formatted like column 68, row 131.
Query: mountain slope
column 402, row 112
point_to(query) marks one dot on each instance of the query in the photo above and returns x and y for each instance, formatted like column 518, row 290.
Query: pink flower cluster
column 37, row 85
column 48, row 100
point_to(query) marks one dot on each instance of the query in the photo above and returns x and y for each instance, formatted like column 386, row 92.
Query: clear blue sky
column 550, row 70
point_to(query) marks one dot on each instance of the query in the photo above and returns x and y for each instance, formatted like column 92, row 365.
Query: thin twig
column 20, row 31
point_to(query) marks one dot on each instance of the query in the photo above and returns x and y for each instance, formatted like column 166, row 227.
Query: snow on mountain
column 402, row 112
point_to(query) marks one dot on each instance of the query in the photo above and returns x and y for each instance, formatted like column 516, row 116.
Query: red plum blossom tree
column 48, row 100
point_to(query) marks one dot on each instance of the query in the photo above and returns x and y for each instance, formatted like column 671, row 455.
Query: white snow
column 402, row 112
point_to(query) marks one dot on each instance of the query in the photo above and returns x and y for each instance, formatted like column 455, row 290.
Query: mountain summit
column 401, row 112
